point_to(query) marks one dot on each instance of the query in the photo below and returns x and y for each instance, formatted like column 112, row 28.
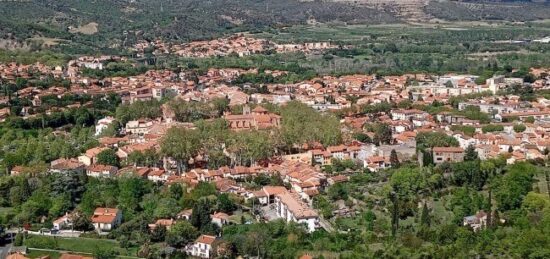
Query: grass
column 540, row 183
column 81, row 245
column 38, row 254
column 5, row 210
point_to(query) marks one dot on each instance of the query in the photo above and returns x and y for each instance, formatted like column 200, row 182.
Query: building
column 202, row 247
column 73, row 256
column 106, row 219
column 220, row 219
column 139, row 127
column 408, row 115
column 103, row 124
column 66, row 166
column 90, row 156
column 292, row 209
column 447, row 154
column 167, row 223
column 477, row 221
column 259, row 118
column 97, row 170
column 63, row 222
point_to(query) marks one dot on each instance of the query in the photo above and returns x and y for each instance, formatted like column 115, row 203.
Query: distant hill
column 103, row 24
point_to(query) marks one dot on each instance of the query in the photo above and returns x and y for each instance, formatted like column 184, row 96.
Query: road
column 5, row 251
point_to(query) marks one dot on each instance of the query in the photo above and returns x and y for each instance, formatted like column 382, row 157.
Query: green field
column 540, row 183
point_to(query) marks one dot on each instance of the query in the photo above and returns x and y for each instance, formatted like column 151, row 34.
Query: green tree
column 180, row 234
column 394, row 160
column 425, row 218
column 470, row 153
column 225, row 203
column 181, row 144
column 519, row 128
column 108, row 157
column 200, row 218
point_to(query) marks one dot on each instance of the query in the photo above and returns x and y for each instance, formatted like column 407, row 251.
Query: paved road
column 5, row 250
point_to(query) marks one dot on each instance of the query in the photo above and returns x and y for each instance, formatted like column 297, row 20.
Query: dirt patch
column 88, row 29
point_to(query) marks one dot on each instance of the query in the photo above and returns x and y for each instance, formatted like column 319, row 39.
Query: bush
column 492, row 128
column 40, row 242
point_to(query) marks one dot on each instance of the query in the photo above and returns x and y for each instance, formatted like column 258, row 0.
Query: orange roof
column 73, row 256
column 16, row 256
column 448, row 149
column 206, row 239
column 106, row 219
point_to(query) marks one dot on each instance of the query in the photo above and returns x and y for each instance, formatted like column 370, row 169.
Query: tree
column 158, row 234
column 104, row 253
column 181, row 234
column 225, row 203
column 181, row 144
column 82, row 223
column 176, row 191
column 108, row 157
column 510, row 189
column 470, row 153
column 425, row 218
column 394, row 160
column 519, row 128
column 200, row 218
column 395, row 213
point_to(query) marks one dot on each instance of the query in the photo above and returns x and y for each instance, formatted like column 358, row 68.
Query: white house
column 291, row 208
column 97, row 171
column 102, row 124
column 63, row 222
column 202, row 247
column 477, row 221
column 106, row 219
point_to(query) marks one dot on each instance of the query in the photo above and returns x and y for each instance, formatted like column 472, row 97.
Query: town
column 103, row 156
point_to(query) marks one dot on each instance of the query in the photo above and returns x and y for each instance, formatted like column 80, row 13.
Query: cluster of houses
column 520, row 129
column 237, row 44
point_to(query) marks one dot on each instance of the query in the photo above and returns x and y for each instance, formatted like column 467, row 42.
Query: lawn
column 540, row 183
column 38, row 254
column 82, row 245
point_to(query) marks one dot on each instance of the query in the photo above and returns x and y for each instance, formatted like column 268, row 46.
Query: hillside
column 106, row 25
column 179, row 20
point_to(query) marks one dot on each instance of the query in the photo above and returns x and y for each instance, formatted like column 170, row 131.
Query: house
column 477, row 221
column 290, row 207
column 106, row 219
column 90, row 156
column 337, row 179
column 447, row 154
column 408, row 115
column 167, row 223
column 139, row 127
column 267, row 194
column 157, row 175
column 258, row 118
column 103, row 124
column 375, row 163
column 202, row 247
column 97, row 170
column 73, row 256
column 185, row 214
column 220, row 219
column 63, row 222
column 66, row 166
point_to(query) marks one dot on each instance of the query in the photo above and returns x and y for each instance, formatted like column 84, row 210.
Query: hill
column 105, row 25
